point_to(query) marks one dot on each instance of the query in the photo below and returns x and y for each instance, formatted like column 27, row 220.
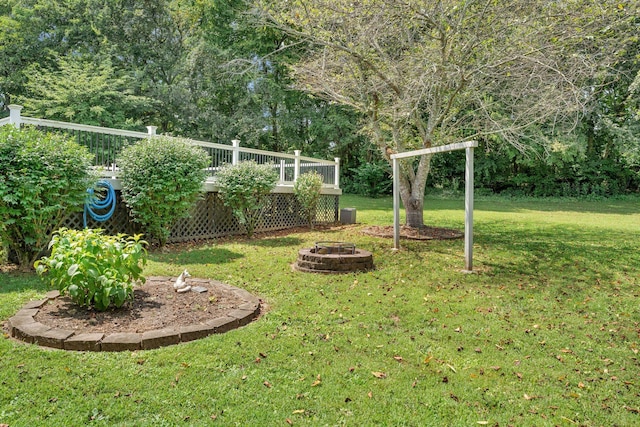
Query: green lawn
column 545, row 333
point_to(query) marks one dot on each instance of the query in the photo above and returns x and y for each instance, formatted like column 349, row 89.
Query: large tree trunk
column 412, row 186
column 414, row 212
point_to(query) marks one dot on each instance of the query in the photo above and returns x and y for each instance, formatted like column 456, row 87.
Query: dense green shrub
column 244, row 188
column 307, row 191
column 370, row 179
column 162, row 177
column 95, row 270
column 43, row 178
column 563, row 171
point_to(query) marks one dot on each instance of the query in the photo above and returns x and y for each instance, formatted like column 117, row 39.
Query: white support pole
column 468, row 211
column 151, row 130
column 396, row 205
column 14, row 115
column 296, row 169
column 235, row 157
column 336, row 180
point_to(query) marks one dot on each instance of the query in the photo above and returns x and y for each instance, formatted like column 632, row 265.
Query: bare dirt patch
column 155, row 305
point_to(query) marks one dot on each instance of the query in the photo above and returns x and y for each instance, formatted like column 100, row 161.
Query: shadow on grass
column 17, row 282
column 558, row 251
column 275, row 242
column 578, row 257
column 201, row 255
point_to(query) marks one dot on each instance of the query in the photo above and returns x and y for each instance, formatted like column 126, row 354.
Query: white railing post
column 282, row 175
column 235, row 159
column 14, row 115
column 296, row 170
column 151, row 130
column 336, row 180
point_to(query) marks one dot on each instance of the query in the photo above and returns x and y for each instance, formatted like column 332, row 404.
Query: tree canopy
column 547, row 88
column 427, row 73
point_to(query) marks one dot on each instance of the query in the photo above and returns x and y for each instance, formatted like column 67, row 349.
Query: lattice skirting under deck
column 210, row 218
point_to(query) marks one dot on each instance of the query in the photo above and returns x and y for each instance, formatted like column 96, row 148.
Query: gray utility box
column 348, row 215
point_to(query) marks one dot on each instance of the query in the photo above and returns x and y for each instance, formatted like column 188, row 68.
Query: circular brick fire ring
column 333, row 258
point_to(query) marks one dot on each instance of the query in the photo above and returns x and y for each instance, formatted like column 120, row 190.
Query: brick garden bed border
column 24, row 327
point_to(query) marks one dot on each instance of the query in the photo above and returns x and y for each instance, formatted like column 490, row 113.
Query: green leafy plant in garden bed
column 244, row 188
column 95, row 270
column 162, row 178
column 43, row 178
column 307, row 190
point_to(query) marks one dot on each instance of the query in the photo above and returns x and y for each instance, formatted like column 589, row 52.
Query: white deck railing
column 106, row 144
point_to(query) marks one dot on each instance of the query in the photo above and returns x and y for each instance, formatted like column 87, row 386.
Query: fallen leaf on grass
column 633, row 410
column 298, row 411
column 380, row 375
column 527, row 397
column 289, row 421
column 398, row 358
column 267, row 384
column 369, row 395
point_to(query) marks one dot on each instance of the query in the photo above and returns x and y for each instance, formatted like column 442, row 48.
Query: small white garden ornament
column 181, row 282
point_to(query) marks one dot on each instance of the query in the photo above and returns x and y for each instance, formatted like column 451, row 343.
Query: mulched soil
column 423, row 233
column 156, row 305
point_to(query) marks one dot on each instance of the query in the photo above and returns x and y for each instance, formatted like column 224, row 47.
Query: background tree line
column 216, row 70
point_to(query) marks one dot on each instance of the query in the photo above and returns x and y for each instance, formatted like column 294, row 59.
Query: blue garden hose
column 93, row 203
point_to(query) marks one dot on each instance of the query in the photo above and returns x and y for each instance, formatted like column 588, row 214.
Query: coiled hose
column 93, row 203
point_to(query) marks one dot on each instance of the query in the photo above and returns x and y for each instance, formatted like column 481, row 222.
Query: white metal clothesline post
column 468, row 209
column 468, row 205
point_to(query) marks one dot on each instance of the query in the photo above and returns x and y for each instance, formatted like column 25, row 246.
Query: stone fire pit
column 333, row 258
